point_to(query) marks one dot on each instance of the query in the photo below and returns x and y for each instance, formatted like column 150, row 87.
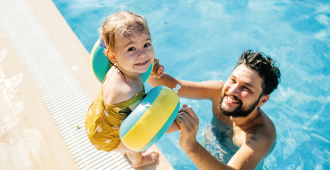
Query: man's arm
column 194, row 90
column 246, row 157
column 189, row 89
column 204, row 160
column 188, row 122
column 255, row 148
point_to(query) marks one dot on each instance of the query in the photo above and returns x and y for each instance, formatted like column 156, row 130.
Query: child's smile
column 143, row 63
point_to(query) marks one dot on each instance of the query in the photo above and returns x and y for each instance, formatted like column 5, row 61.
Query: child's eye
column 131, row 49
column 147, row 45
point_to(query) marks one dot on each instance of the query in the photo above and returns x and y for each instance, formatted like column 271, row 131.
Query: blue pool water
column 201, row 41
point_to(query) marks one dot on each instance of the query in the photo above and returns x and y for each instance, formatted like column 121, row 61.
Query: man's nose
column 233, row 90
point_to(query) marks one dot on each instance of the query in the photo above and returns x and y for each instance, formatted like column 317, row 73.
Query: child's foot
column 147, row 159
column 124, row 153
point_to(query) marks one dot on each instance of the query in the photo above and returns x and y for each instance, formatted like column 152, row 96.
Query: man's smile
column 232, row 100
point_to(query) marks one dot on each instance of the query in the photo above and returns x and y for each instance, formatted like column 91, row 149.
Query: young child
column 128, row 45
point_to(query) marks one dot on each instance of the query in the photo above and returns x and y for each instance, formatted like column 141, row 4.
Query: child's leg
column 138, row 159
column 142, row 159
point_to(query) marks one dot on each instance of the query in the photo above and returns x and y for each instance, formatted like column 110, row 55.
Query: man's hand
column 158, row 70
column 188, row 122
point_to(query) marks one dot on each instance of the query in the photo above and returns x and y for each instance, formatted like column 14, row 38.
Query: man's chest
column 231, row 136
column 239, row 137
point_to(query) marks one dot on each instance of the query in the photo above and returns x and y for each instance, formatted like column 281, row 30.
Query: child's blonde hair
column 123, row 23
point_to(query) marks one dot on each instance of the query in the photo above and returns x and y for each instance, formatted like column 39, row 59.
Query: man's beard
column 239, row 111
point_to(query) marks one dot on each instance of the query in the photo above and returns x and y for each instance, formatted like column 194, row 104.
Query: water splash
column 3, row 53
column 10, row 109
column 16, row 154
column 16, row 144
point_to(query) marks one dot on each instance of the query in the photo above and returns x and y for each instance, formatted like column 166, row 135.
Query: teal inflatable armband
column 101, row 65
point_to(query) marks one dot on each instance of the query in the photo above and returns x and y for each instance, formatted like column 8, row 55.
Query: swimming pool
column 201, row 41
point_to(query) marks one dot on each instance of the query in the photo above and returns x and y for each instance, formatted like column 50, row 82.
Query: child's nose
column 142, row 53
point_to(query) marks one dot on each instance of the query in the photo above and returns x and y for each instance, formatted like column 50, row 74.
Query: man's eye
column 246, row 89
column 131, row 49
column 147, row 45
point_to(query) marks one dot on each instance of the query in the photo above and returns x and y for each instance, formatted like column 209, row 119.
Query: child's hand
column 158, row 69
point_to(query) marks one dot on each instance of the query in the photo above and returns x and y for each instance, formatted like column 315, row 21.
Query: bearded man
column 236, row 104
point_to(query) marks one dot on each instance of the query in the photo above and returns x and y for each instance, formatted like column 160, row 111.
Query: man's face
column 241, row 93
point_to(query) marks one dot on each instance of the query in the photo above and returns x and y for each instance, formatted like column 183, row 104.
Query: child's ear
column 111, row 56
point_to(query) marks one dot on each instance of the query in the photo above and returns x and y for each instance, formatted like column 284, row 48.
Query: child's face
column 134, row 53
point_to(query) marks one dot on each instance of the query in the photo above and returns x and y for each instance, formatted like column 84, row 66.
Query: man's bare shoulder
column 259, row 140
column 259, row 135
column 257, row 145
column 262, row 134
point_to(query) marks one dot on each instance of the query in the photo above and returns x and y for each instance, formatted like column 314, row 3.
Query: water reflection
column 217, row 140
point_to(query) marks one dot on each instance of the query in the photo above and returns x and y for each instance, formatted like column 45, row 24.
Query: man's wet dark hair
column 266, row 68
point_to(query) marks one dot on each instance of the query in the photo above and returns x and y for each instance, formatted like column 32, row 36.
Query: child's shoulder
column 117, row 91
